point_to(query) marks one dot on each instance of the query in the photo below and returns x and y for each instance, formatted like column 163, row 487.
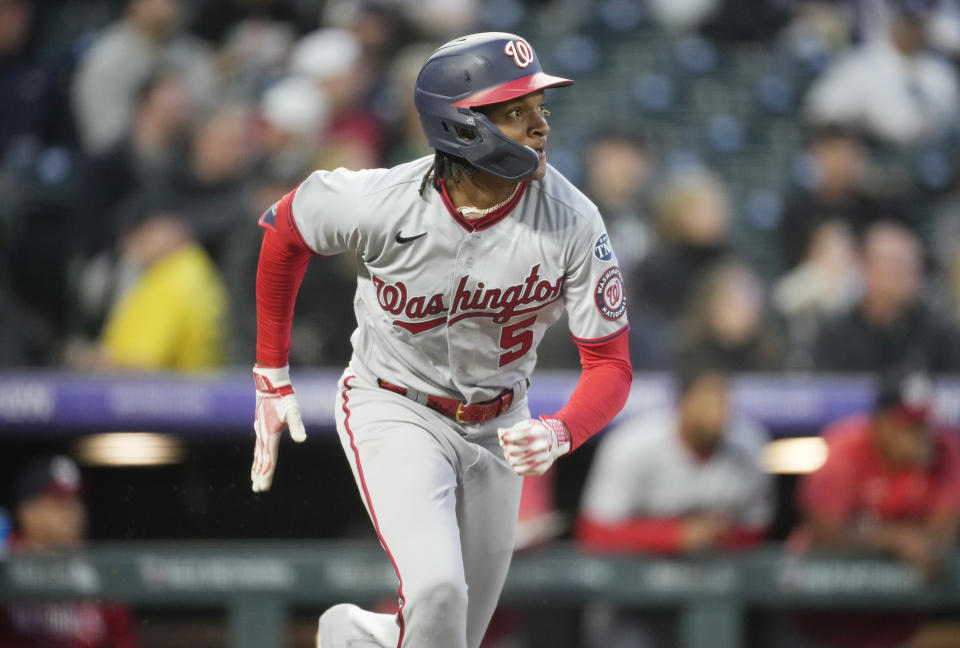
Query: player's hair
column 448, row 168
column 691, row 370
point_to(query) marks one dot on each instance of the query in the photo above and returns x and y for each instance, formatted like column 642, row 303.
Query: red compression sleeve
column 283, row 261
column 602, row 390
column 660, row 535
column 742, row 537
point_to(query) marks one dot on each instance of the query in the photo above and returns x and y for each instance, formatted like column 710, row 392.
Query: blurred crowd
column 140, row 140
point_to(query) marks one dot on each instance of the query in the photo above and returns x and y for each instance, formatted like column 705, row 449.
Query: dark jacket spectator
column 144, row 157
column 213, row 185
column 33, row 105
column 825, row 284
column 890, row 325
column 693, row 222
column 834, row 191
column 726, row 324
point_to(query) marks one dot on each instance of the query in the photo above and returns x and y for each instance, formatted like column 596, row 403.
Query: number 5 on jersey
column 516, row 339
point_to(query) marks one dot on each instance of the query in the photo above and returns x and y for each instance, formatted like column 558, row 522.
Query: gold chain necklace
column 475, row 212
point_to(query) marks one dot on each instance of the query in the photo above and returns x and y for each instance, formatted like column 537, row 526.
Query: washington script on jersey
column 498, row 304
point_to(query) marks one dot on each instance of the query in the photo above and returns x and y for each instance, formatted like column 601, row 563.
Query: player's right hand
column 277, row 408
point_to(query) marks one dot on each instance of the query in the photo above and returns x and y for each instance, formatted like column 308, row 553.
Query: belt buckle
column 458, row 415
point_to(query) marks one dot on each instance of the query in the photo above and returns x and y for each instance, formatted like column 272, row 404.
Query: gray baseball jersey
column 451, row 308
column 643, row 469
column 455, row 311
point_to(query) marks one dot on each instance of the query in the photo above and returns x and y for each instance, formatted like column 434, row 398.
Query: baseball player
column 467, row 257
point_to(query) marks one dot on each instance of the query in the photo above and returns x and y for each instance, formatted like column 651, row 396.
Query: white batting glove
column 277, row 408
column 531, row 446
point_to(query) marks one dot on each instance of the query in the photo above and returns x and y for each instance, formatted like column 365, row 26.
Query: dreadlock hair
column 446, row 167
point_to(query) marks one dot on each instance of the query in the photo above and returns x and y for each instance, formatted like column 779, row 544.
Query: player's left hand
column 277, row 408
column 533, row 445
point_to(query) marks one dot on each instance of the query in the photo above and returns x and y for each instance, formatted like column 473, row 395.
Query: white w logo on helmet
column 521, row 52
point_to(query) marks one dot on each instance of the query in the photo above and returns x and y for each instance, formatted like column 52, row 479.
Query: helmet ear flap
column 494, row 152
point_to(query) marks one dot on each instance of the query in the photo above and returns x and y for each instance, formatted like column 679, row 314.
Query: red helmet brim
column 513, row 89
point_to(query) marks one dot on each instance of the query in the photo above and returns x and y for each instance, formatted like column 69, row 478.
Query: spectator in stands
column 216, row 20
column 952, row 284
column 891, row 484
column 213, row 185
column 317, row 329
column 32, row 106
column 834, row 191
column 890, row 325
column 146, row 37
column 825, row 284
column 333, row 59
column 51, row 519
column 175, row 316
column 726, row 323
column 893, row 87
column 676, row 481
column 693, row 223
column 944, row 239
column 145, row 155
column 255, row 51
column 618, row 178
column 292, row 114
column 407, row 140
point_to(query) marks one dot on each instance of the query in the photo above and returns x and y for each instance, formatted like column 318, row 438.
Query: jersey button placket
column 464, row 262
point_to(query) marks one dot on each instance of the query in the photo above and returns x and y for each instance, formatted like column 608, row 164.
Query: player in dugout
column 467, row 257
column 675, row 480
column 51, row 518
column 890, row 484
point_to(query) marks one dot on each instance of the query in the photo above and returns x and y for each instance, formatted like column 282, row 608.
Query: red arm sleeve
column 602, row 390
column 656, row 535
column 284, row 256
column 742, row 537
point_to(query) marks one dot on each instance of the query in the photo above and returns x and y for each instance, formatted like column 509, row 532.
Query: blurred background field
column 781, row 183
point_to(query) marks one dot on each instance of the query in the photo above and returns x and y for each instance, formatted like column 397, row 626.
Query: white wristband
column 268, row 379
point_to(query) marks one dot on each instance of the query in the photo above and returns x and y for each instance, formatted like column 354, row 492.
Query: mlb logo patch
column 602, row 249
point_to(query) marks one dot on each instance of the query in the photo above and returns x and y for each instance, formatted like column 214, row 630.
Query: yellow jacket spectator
column 174, row 316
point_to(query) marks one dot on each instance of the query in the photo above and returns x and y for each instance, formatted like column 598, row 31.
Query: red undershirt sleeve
column 657, row 535
column 742, row 537
column 283, row 262
column 601, row 391
column 654, row 535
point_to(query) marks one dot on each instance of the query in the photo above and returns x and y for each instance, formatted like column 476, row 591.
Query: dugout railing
column 259, row 583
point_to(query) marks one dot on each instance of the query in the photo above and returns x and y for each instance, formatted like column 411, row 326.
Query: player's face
column 53, row 521
column 902, row 443
column 703, row 413
column 524, row 120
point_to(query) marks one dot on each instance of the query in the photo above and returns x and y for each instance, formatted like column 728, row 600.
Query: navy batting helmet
column 472, row 71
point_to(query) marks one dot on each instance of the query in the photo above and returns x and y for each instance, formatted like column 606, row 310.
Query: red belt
column 470, row 414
